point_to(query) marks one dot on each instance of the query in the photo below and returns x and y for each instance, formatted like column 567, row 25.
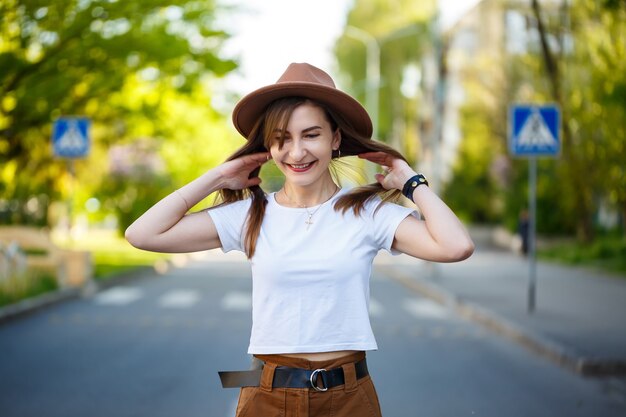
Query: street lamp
column 372, row 72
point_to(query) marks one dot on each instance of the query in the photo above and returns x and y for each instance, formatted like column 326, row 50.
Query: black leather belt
column 285, row 377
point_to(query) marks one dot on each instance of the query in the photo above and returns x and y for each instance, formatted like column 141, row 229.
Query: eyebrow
column 303, row 130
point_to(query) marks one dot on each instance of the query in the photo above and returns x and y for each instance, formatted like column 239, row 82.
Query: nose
column 297, row 152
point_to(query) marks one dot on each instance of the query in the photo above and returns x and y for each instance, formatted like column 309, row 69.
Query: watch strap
column 412, row 184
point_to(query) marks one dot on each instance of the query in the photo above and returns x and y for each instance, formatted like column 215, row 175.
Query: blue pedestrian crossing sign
column 70, row 137
column 534, row 130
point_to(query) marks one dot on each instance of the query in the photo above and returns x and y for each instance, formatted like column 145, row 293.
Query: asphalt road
column 153, row 346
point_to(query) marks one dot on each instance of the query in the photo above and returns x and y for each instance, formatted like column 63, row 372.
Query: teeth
column 301, row 166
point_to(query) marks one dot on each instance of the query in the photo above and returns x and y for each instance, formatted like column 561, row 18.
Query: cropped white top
column 310, row 290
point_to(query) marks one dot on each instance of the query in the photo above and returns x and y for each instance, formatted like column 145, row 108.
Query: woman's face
column 307, row 148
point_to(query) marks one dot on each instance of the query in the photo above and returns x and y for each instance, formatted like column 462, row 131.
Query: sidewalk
column 580, row 314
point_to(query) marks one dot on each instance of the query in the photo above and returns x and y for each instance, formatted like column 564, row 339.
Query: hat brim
column 252, row 106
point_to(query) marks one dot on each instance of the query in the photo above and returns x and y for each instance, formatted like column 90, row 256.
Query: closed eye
column 277, row 138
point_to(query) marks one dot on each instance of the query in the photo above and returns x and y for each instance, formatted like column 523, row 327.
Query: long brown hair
column 261, row 137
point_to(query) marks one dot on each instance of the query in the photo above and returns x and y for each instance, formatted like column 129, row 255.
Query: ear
column 336, row 139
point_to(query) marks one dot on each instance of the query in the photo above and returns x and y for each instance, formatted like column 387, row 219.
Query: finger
column 253, row 181
column 255, row 160
column 384, row 181
column 256, row 157
column 372, row 156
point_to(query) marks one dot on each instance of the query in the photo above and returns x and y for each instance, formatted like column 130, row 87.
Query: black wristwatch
column 412, row 184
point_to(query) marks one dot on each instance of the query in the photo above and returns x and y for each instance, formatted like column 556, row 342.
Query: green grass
column 29, row 284
column 111, row 253
column 35, row 251
column 606, row 253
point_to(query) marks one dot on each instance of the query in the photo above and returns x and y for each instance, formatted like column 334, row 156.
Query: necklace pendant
column 308, row 222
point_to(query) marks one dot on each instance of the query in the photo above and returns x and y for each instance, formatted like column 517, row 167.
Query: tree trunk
column 623, row 219
column 575, row 169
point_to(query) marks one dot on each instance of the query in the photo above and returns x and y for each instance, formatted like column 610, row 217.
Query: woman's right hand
column 166, row 228
column 234, row 174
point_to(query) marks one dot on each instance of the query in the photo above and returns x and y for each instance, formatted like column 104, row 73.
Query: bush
column 606, row 252
column 28, row 284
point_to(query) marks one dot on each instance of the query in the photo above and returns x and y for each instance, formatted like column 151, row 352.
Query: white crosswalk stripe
column 425, row 309
column 179, row 299
column 118, row 296
column 242, row 301
column 237, row 301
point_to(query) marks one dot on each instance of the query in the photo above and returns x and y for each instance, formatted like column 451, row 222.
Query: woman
column 311, row 244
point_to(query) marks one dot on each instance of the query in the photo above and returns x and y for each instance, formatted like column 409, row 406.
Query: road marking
column 237, row 301
column 425, row 309
column 376, row 308
column 179, row 299
column 118, row 296
column 437, row 332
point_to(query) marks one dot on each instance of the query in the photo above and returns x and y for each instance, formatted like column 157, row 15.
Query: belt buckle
column 313, row 380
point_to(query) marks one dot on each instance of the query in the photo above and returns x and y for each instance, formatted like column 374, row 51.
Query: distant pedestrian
column 311, row 244
column 522, row 230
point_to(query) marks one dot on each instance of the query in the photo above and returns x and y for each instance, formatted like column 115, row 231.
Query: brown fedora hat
column 301, row 80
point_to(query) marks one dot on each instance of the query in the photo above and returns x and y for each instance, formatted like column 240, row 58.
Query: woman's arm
column 440, row 237
column 166, row 227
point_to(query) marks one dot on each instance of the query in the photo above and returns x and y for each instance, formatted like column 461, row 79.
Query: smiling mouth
column 300, row 167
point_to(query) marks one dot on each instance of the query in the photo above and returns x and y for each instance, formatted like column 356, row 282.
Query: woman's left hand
column 397, row 171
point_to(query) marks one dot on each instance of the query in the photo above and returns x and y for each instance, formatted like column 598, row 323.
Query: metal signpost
column 534, row 131
column 70, row 140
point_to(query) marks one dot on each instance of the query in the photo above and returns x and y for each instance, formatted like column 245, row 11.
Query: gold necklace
column 309, row 220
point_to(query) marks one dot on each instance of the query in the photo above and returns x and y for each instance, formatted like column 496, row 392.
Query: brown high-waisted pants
column 357, row 398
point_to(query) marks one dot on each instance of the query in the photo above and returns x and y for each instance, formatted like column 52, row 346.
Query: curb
column 126, row 276
column 30, row 305
column 33, row 304
column 532, row 341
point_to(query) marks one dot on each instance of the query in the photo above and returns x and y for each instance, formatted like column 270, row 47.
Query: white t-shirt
column 310, row 287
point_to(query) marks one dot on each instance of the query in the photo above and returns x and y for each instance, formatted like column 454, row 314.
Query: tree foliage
column 580, row 66
column 587, row 84
column 182, row 138
column 597, row 97
column 74, row 58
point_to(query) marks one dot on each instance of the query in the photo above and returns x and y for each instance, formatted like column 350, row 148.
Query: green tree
column 595, row 99
column 477, row 179
column 597, row 96
column 579, row 64
column 71, row 57
column 182, row 139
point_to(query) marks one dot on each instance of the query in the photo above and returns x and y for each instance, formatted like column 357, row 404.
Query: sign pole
column 71, row 169
column 70, row 140
column 533, row 132
column 532, row 233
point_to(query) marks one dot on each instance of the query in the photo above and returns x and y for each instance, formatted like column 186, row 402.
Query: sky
column 268, row 35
